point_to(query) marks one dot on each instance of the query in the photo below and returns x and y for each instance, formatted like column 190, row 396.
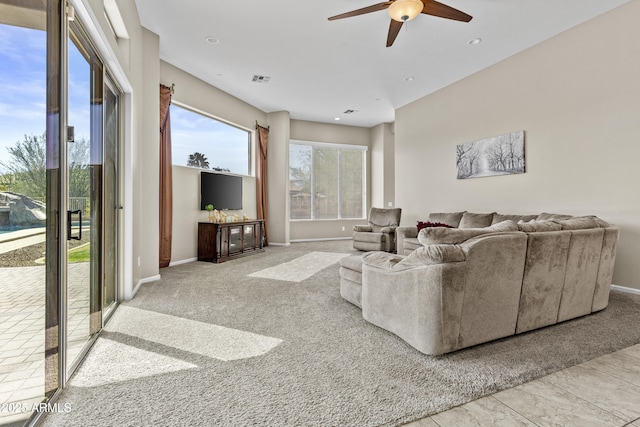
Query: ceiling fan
column 402, row 11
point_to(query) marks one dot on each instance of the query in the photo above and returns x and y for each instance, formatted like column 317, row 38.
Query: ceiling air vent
column 350, row 111
column 261, row 79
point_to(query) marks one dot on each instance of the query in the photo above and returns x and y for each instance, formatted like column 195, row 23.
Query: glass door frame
column 111, row 85
column 59, row 29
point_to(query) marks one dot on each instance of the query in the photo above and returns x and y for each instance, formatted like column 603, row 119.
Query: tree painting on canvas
column 499, row 155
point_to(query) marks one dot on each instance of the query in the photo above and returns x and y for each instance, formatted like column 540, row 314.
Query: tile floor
column 602, row 392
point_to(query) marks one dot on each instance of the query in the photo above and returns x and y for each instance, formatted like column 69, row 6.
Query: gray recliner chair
column 380, row 233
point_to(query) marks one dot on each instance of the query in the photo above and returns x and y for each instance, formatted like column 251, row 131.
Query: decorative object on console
column 209, row 209
column 499, row 155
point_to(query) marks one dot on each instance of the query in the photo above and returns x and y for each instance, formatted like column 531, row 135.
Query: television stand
column 223, row 241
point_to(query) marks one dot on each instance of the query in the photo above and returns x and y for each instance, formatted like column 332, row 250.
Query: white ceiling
column 319, row 68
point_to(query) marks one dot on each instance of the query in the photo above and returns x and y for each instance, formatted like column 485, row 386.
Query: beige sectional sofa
column 490, row 277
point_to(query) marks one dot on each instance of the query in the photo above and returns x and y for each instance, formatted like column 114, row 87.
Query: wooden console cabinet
column 222, row 241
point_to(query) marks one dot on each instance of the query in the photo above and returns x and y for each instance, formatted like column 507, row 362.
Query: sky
column 223, row 145
column 23, row 106
column 22, row 85
column 23, row 94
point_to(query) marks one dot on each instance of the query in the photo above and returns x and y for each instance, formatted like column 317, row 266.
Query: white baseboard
column 143, row 281
column 625, row 289
column 184, row 261
column 279, row 244
column 324, row 239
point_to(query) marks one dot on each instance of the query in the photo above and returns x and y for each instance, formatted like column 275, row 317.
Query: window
column 203, row 142
column 327, row 181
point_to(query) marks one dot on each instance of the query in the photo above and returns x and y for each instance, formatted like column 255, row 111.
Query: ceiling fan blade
column 432, row 7
column 368, row 9
column 394, row 29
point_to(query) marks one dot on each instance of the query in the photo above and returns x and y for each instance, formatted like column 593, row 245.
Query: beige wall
column 577, row 96
column 336, row 134
column 278, row 178
column 146, row 191
column 383, row 166
column 201, row 96
column 187, row 213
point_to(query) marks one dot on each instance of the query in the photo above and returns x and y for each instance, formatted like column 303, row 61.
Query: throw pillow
column 515, row 218
column 450, row 218
column 432, row 254
column 436, row 235
column 535, row 226
column 553, row 217
column 579, row 223
column 475, row 220
column 426, row 224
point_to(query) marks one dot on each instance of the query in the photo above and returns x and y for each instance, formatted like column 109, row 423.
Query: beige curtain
column 261, row 178
column 166, row 180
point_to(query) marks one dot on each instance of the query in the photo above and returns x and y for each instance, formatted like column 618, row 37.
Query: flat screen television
column 224, row 192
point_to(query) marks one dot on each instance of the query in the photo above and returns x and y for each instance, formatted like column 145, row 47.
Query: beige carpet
column 300, row 268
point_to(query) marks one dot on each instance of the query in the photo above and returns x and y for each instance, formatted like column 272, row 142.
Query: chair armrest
column 401, row 234
column 362, row 228
column 426, row 255
column 384, row 260
column 407, row 231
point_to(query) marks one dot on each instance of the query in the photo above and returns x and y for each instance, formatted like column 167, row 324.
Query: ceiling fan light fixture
column 405, row 10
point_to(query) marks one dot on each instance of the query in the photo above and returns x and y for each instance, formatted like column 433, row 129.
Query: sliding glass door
column 84, row 194
column 59, row 201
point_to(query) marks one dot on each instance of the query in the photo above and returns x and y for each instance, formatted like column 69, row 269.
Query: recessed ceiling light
column 337, row 119
column 475, row 41
column 212, row 40
column 409, row 79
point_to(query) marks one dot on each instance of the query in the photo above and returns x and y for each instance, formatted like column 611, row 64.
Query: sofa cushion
column 426, row 224
column 515, row 218
column 362, row 228
column 601, row 222
column 411, row 244
column 475, row 220
column 536, row 226
column 426, row 255
column 553, row 217
column 433, row 254
column 579, row 223
column 436, row 235
column 449, row 218
column 383, row 260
